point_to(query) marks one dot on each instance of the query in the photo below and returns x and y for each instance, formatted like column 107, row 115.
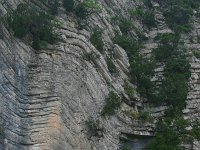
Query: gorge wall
column 47, row 95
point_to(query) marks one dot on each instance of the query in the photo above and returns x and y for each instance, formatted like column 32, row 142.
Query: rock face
column 47, row 96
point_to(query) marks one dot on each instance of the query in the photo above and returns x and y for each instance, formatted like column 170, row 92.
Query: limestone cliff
column 47, row 95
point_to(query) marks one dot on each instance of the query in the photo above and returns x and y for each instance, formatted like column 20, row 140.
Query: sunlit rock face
column 47, row 96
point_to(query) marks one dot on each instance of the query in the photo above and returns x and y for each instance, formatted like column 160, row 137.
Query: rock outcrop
column 46, row 96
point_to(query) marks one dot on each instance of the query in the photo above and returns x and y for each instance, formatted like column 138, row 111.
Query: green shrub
column 129, row 91
column 168, row 43
column 147, row 17
column 140, row 116
column 81, row 9
column 52, row 6
column 135, row 115
column 178, row 18
column 125, row 25
column 179, row 65
column 93, row 128
column 179, row 13
column 138, row 12
column 196, row 54
column 168, row 38
column 145, row 116
column 26, row 20
column 173, row 90
column 86, row 8
column 195, row 132
column 69, row 5
column 126, row 42
column 96, row 39
column 141, row 36
column 148, row 3
column 163, row 52
column 111, row 66
column 143, row 70
column 112, row 104
column 172, row 133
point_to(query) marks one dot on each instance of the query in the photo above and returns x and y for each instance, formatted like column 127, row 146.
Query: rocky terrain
column 48, row 95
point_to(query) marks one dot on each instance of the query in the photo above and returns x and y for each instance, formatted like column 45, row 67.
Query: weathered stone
column 46, row 96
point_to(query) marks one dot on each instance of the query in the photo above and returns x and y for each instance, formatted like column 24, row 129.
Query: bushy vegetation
column 147, row 17
column 196, row 54
column 172, row 132
column 141, row 69
column 69, row 5
column 168, row 43
column 93, row 128
column 173, row 90
column 179, row 65
column 145, row 116
column 125, row 25
column 52, row 5
column 129, row 91
column 148, row 4
column 96, row 39
column 26, row 20
column 87, row 7
column 179, row 13
column 127, row 43
column 81, row 9
column 195, row 132
column 112, row 104
column 111, row 66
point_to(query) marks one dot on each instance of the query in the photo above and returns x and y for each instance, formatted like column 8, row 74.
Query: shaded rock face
column 46, row 96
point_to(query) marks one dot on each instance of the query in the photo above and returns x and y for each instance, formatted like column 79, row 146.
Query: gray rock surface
column 46, row 96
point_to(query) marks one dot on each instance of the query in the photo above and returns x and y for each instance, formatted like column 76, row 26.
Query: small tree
column 69, row 5
column 87, row 7
column 26, row 20
column 96, row 39
column 112, row 104
column 93, row 128
column 111, row 66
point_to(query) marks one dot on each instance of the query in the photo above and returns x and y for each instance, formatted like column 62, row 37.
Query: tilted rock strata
column 46, row 96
